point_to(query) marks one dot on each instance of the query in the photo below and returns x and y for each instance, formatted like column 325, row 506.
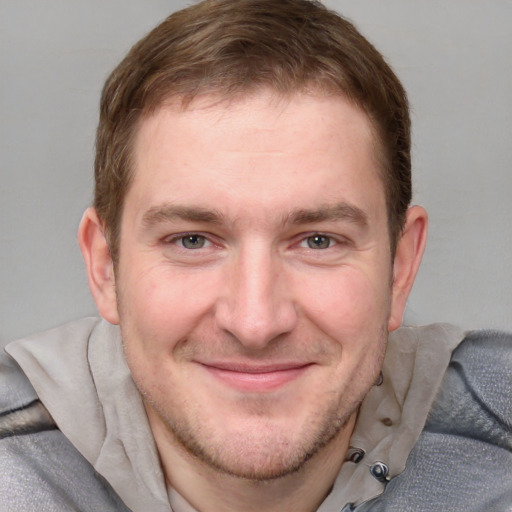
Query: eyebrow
column 168, row 213
column 339, row 212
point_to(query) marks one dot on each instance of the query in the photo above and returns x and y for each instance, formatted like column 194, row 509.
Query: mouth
column 255, row 378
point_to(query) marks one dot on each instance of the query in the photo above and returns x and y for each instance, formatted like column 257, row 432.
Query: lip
column 255, row 378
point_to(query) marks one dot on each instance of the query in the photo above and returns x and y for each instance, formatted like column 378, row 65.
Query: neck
column 209, row 490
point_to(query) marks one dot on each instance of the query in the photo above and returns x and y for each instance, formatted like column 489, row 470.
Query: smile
column 255, row 378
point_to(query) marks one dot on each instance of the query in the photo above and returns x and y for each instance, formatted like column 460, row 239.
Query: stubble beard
column 254, row 457
column 262, row 454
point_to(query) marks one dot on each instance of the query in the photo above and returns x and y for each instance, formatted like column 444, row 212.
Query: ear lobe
column 99, row 265
column 407, row 260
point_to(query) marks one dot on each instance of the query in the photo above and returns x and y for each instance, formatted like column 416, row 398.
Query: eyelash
column 332, row 241
column 176, row 239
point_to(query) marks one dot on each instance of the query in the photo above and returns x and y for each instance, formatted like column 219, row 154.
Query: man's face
column 254, row 276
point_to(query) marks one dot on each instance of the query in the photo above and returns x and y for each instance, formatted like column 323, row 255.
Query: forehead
column 265, row 148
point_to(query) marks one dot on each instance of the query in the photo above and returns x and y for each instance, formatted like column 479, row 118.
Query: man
column 250, row 248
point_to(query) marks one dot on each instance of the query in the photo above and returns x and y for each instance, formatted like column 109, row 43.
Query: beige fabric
column 78, row 371
column 96, row 405
column 392, row 415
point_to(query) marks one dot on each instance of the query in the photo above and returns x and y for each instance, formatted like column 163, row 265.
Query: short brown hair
column 233, row 47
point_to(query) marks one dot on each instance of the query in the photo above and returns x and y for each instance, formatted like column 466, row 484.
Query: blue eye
column 318, row 241
column 193, row 241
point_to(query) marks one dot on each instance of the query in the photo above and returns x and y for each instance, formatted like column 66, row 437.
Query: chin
column 261, row 451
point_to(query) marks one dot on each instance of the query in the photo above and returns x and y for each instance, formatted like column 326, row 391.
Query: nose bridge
column 257, row 307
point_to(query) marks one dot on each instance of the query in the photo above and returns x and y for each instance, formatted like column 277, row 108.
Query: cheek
column 158, row 308
column 349, row 303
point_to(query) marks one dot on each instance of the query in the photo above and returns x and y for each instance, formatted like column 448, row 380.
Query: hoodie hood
column 80, row 374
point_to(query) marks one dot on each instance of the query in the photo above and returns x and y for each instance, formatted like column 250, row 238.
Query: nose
column 255, row 306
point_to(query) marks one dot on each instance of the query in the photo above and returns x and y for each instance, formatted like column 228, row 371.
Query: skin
column 255, row 290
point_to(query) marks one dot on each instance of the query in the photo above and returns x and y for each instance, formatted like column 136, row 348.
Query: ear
column 407, row 260
column 99, row 265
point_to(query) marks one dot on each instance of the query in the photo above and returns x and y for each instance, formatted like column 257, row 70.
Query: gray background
column 454, row 58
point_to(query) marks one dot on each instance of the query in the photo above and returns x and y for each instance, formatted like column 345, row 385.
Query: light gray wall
column 453, row 57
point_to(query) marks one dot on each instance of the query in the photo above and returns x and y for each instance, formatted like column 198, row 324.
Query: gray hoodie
column 103, row 448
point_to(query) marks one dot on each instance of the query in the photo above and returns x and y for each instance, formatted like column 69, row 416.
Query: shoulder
column 40, row 470
column 20, row 410
column 485, row 349
column 462, row 458
column 43, row 353
column 484, row 355
column 475, row 398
